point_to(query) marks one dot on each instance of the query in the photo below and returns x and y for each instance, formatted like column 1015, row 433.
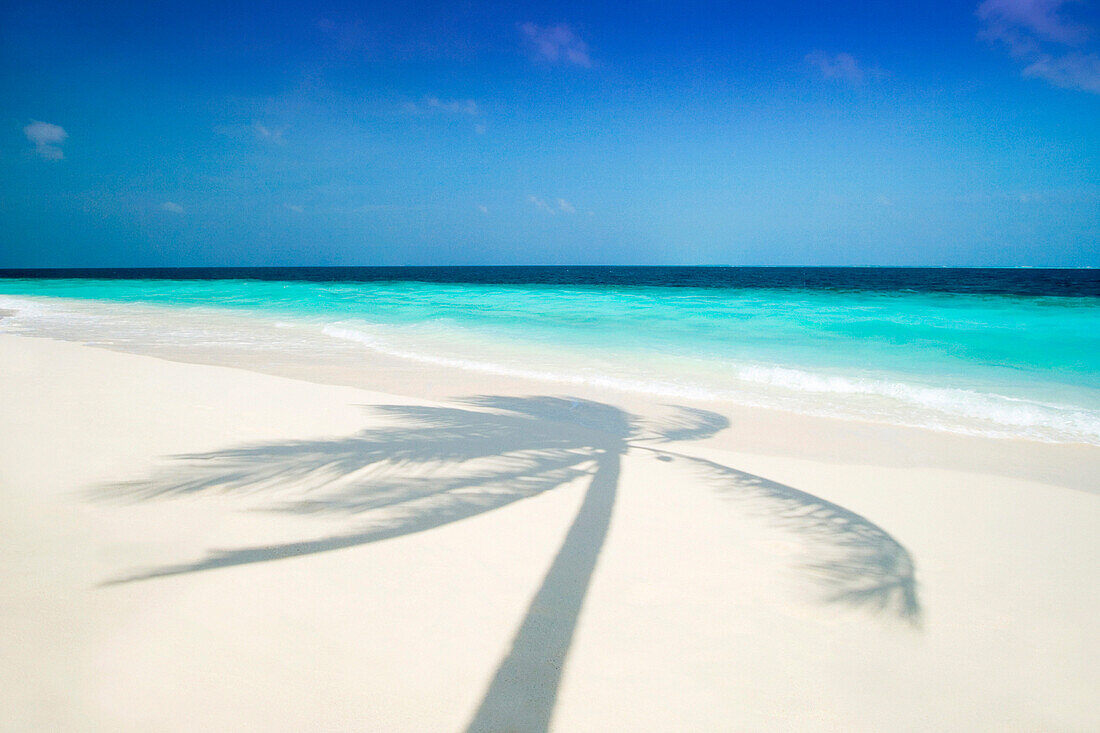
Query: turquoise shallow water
column 997, row 364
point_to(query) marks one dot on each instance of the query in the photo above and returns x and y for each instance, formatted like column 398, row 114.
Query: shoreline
column 717, row 586
column 752, row 430
column 946, row 375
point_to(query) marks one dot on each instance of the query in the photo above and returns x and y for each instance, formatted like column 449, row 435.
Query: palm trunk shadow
column 523, row 691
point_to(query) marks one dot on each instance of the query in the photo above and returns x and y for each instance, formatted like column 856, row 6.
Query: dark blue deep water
column 999, row 281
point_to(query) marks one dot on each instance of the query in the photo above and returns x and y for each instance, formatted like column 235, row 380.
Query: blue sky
column 213, row 133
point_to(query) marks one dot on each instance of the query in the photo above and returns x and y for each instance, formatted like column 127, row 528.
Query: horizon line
column 471, row 266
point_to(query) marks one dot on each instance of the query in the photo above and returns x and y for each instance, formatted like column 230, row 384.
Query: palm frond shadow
column 439, row 465
column 856, row 562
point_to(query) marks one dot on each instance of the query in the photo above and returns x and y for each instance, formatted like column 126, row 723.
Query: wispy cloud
column 448, row 106
column 1041, row 34
column 271, row 134
column 1069, row 71
column 540, row 204
column 295, row 208
column 558, row 205
column 483, row 208
column 47, row 139
column 261, row 131
column 840, row 66
column 1025, row 21
column 172, row 207
column 454, row 106
column 556, row 43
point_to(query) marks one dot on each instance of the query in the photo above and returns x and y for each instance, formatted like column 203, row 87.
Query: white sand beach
column 186, row 546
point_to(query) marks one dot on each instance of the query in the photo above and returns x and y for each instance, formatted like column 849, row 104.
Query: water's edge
column 995, row 365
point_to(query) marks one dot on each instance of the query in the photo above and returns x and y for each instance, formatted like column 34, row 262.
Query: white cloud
column 47, row 139
column 557, row 43
column 842, row 66
column 540, row 204
column 295, row 208
column 254, row 131
column 1037, row 33
column 552, row 207
column 455, row 106
column 483, row 208
column 1013, row 21
column 479, row 129
column 271, row 134
column 172, row 206
column 1070, row 71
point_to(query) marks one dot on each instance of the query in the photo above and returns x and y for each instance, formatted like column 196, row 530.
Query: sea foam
column 946, row 409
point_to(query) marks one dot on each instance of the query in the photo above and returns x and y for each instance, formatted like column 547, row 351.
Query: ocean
column 1004, row 353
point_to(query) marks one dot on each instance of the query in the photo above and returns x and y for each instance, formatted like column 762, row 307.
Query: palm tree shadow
column 856, row 562
column 443, row 464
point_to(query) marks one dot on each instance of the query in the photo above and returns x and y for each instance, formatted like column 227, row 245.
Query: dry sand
column 195, row 547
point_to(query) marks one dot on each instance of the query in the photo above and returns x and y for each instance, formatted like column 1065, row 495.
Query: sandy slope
column 432, row 571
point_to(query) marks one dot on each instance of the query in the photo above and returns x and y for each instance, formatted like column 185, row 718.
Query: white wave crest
column 998, row 409
column 939, row 408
